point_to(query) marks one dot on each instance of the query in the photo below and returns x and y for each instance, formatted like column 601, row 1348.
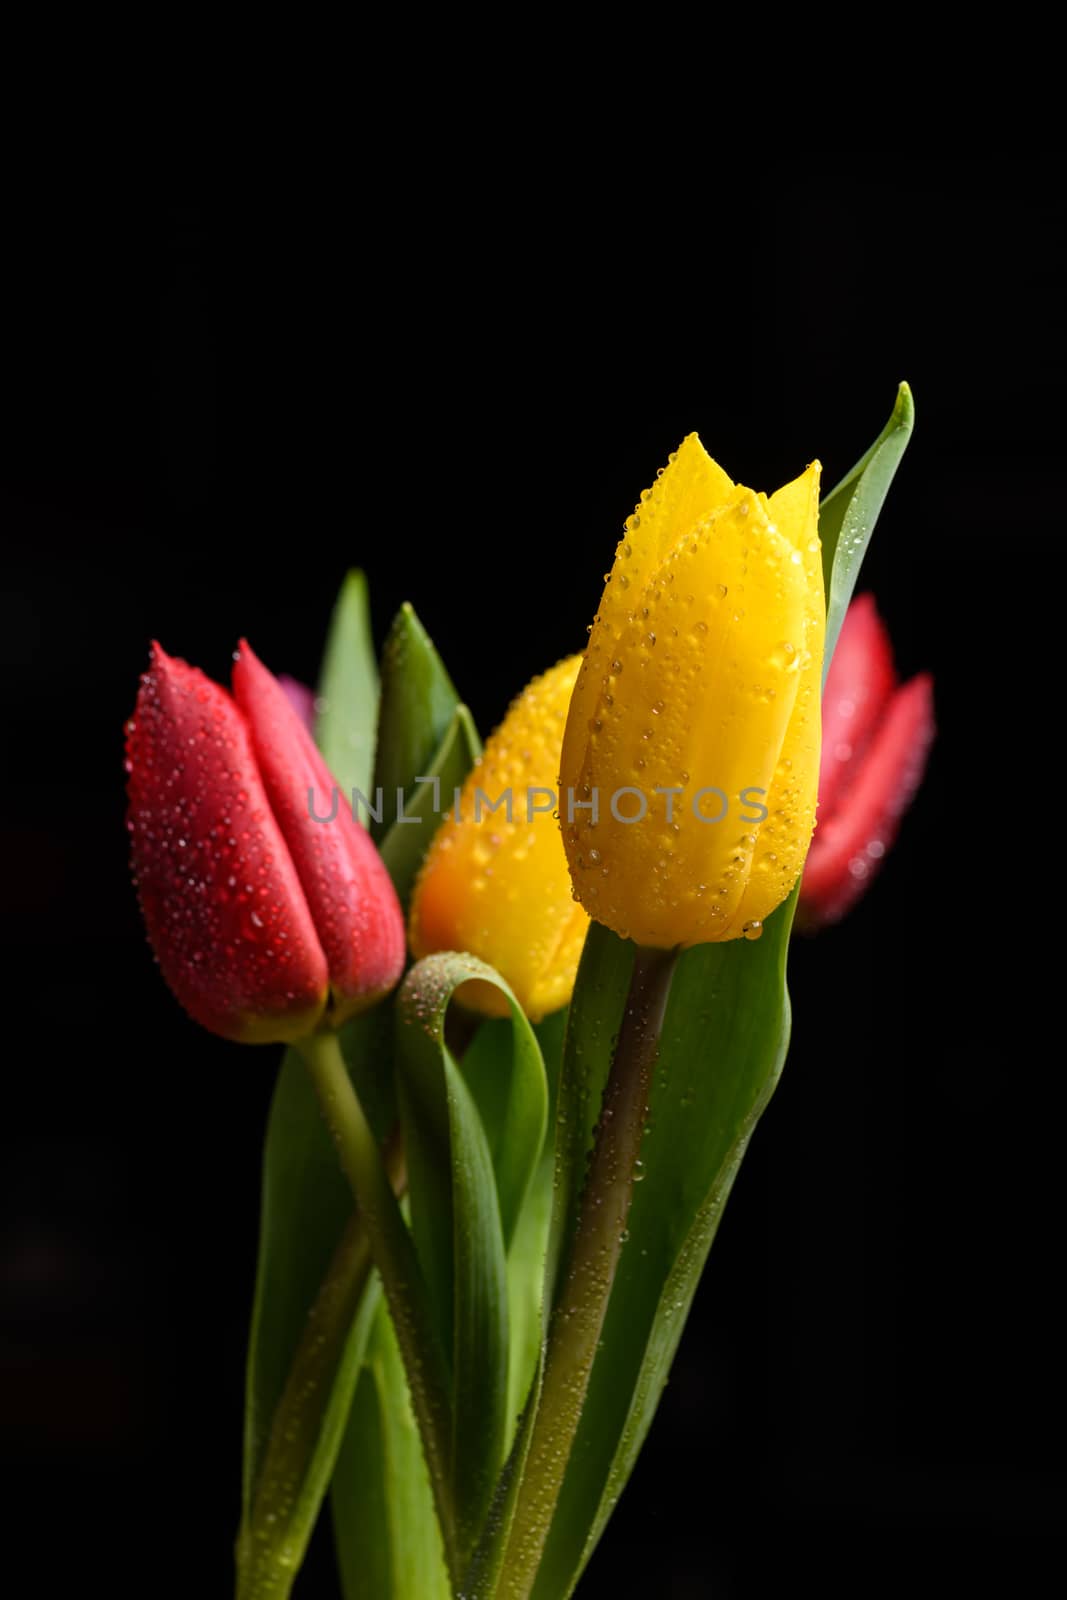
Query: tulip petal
column 499, row 888
column 689, row 488
column 850, row 845
column 225, row 911
column 859, row 684
column 350, row 894
column 695, row 691
column 784, row 836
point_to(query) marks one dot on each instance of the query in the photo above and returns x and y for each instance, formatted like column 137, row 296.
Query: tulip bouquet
column 490, row 1184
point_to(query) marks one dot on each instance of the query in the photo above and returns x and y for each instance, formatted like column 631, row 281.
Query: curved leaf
column 506, row 1101
column 526, row 1298
column 465, row 1199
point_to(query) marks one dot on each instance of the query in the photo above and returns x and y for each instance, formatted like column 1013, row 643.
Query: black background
column 209, row 415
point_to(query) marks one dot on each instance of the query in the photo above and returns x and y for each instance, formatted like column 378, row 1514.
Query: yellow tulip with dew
column 690, row 760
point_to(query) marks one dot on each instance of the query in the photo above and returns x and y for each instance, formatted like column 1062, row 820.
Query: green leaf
column 486, row 1568
column 509, row 1098
column 348, row 690
column 505, row 1073
column 465, row 1200
column 409, row 838
column 385, row 1528
column 306, row 1342
column 722, row 1048
column 485, row 1065
column 848, row 514
column 417, row 705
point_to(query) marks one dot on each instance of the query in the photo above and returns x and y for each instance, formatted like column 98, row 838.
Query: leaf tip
column 904, row 409
column 407, row 624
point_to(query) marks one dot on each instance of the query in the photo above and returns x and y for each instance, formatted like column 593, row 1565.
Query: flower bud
column 350, row 894
column 877, row 737
column 495, row 882
column 695, row 718
column 246, row 949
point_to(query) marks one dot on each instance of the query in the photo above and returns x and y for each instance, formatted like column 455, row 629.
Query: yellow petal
column 688, row 489
column 705, row 683
column 782, row 840
column 500, row 888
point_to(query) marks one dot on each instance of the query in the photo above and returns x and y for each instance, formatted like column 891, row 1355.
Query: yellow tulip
column 691, row 756
column 495, row 883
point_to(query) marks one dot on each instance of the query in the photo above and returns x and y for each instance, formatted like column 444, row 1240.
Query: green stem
column 270, row 1548
column 578, row 1316
column 394, row 1255
column 274, row 1532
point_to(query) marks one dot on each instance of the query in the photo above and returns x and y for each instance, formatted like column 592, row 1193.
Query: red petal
column 848, row 848
column 350, row 893
column 225, row 911
column 858, row 686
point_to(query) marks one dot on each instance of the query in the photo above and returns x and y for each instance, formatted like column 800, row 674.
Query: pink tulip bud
column 242, row 939
column 876, row 739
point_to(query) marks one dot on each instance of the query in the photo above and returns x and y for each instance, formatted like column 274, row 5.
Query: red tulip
column 876, row 738
column 264, row 920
